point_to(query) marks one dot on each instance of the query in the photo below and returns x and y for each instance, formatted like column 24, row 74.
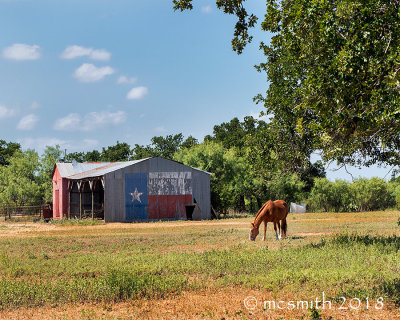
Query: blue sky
column 84, row 74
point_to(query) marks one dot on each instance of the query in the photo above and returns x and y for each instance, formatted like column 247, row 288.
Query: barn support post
column 92, row 185
column 102, row 180
column 80, row 198
column 80, row 205
column 70, row 186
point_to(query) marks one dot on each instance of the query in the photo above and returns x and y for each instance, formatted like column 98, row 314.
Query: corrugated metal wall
column 60, row 195
column 116, row 205
column 201, row 192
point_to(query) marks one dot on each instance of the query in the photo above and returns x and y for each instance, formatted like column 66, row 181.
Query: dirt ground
column 222, row 303
column 227, row 303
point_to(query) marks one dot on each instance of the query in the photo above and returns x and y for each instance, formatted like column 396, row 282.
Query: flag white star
column 136, row 195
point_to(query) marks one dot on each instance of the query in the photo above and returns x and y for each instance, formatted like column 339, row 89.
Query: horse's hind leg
column 280, row 230
column 265, row 230
column 284, row 227
column 276, row 232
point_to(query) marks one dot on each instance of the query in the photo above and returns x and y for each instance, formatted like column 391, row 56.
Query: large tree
column 19, row 180
column 7, row 150
column 333, row 71
column 49, row 158
column 163, row 146
column 229, row 180
column 121, row 151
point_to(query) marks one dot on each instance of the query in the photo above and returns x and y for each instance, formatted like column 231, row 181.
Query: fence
column 25, row 213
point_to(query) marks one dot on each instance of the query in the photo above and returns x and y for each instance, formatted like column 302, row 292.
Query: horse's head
column 253, row 232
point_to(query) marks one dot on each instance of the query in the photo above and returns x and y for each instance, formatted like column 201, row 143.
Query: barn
column 141, row 190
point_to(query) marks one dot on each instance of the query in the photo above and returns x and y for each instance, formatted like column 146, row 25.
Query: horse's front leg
column 265, row 230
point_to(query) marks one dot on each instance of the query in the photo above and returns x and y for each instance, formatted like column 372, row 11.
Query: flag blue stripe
column 136, row 202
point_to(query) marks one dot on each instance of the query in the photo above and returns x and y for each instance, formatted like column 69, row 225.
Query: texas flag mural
column 157, row 195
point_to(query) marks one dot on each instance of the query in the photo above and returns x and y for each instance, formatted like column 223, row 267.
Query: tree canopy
column 18, row 180
column 333, row 73
column 7, row 150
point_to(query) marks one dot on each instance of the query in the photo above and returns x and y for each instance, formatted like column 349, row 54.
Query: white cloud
column 125, row 79
column 6, row 112
column 34, row 105
column 206, row 9
column 21, row 51
column 90, row 122
column 72, row 52
column 28, row 122
column 90, row 73
column 69, row 123
column 100, row 54
column 137, row 93
column 96, row 120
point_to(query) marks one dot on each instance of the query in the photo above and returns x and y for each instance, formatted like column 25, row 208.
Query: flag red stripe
column 168, row 206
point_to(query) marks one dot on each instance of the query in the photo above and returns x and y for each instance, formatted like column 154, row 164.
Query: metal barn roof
column 69, row 169
column 77, row 171
column 107, row 167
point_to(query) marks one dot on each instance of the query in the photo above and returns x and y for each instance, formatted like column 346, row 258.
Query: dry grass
column 50, row 244
column 225, row 303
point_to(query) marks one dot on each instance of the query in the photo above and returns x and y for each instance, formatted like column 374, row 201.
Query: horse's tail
column 284, row 223
column 284, row 227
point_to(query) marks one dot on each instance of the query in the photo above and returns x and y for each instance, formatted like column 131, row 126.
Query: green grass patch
column 52, row 270
column 75, row 222
column 113, row 286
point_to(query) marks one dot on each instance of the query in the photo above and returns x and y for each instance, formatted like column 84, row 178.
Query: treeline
column 26, row 177
column 359, row 195
column 249, row 166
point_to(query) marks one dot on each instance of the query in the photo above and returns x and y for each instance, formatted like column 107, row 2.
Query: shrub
column 373, row 194
column 361, row 195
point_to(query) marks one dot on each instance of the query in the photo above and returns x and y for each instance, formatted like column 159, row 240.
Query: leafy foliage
column 333, row 71
column 49, row 158
column 7, row 150
column 118, row 152
column 241, row 36
column 361, row 195
column 164, row 146
column 229, row 179
column 18, row 181
column 333, row 75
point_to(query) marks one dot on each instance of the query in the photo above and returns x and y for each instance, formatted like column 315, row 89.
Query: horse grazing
column 271, row 211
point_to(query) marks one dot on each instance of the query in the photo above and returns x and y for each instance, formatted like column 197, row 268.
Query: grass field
column 202, row 270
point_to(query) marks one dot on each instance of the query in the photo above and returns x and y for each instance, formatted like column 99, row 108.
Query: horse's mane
column 261, row 209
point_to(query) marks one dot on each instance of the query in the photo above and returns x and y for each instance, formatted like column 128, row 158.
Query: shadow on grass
column 368, row 240
column 392, row 290
column 296, row 238
column 385, row 243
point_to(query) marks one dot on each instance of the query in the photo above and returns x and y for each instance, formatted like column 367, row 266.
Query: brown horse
column 271, row 211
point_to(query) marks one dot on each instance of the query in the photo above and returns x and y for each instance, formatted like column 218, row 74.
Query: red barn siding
column 60, row 196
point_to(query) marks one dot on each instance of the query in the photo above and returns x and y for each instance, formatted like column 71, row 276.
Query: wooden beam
column 80, row 203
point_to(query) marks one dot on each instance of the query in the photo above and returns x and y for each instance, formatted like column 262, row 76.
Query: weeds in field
column 108, row 268
column 75, row 222
column 315, row 314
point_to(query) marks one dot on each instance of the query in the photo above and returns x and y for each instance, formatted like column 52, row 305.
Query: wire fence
column 25, row 213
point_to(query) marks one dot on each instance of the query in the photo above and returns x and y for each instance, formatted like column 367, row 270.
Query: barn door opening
column 74, row 196
column 98, row 200
column 87, row 199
